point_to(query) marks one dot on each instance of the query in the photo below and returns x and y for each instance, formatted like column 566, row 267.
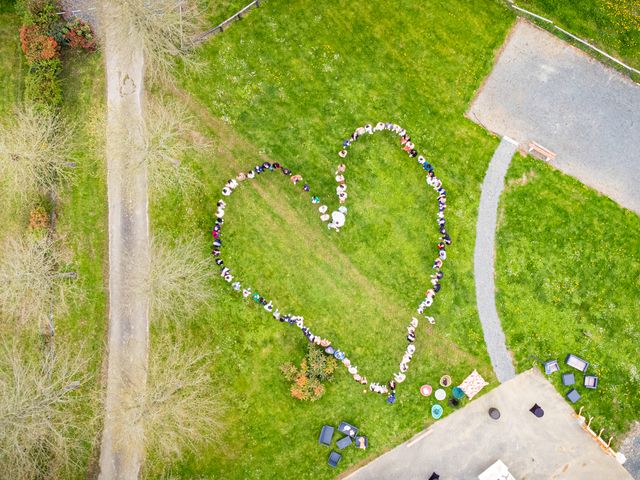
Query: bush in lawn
column 27, row 272
column 37, row 45
column 42, row 51
column 39, row 434
column 39, row 219
column 34, row 149
column 42, row 13
column 179, row 279
column 180, row 409
column 167, row 133
column 41, row 39
column 42, row 84
column 315, row 368
column 78, row 34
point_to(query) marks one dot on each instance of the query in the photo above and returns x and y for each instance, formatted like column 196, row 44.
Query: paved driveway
column 545, row 90
column 468, row 441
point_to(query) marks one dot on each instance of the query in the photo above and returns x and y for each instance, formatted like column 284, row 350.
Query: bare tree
column 28, row 273
column 168, row 127
column 34, row 150
column 180, row 408
column 165, row 28
column 40, row 436
column 180, row 279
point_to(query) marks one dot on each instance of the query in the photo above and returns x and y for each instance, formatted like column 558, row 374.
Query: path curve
column 122, row 446
column 484, row 259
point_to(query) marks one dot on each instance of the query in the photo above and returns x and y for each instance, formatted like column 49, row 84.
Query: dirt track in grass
column 122, row 447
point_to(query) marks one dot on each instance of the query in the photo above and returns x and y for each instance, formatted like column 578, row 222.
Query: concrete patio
column 465, row 443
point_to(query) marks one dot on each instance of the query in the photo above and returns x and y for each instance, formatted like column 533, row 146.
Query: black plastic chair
column 537, row 410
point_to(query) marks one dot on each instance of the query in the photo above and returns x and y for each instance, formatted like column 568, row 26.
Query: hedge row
column 43, row 37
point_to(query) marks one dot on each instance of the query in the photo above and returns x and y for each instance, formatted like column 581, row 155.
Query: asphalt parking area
column 543, row 89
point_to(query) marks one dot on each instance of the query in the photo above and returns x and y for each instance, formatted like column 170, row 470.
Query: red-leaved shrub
column 79, row 34
column 36, row 45
column 38, row 219
column 307, row 380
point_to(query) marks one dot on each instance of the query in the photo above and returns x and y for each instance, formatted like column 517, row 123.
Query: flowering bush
column 307, row 380
column 36, row 45
column 78, row 34
column 289, row 371
column 319, row 364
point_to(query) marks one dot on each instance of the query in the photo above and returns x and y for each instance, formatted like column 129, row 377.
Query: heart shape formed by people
column 335, row 221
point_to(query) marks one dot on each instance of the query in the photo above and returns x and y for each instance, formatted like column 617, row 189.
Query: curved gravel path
column 484, row 259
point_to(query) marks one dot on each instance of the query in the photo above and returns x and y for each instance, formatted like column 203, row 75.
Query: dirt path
column 122, row 449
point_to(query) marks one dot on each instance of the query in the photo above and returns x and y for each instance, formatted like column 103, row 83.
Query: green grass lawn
column 288, row 84
column 12, row 68
column 568, row 279
column 82, row 220
column 11, row 59
column 82, row 225
column 612, row 25
column 216, row 11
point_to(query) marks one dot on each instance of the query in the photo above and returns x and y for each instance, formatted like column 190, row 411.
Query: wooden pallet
column 541, row 153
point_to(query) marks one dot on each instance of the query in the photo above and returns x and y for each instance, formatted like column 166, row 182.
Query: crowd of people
column 335, row 221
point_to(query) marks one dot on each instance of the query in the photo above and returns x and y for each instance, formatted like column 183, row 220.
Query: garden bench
column 577, row 363
column 326, row 434
column 541, row 153
column 334, row 458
